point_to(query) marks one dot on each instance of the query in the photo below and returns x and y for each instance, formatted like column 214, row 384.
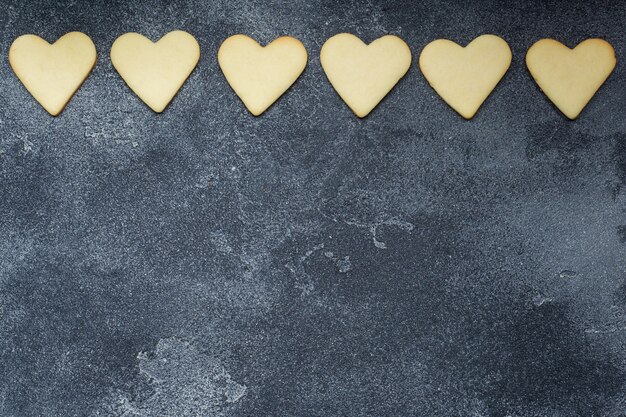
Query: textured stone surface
column 206, row 262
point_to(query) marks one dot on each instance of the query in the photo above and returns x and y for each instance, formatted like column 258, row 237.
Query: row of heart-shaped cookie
column 361, row 74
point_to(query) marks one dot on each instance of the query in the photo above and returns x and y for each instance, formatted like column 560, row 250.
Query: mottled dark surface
column 205, row 262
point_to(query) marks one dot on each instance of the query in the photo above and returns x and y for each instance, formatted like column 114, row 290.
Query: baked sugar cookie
column 363, row 74
column 570, row 77
column 53, row 73
column 155, row 71
column 260, row 75
column 465, row 76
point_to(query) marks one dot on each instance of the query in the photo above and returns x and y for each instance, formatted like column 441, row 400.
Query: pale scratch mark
column 540, row 299
column 606, row 330
column 27, row 145
column 373, row 228
column 568, row 274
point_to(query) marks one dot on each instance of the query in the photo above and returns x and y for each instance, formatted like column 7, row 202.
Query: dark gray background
column 307, row 263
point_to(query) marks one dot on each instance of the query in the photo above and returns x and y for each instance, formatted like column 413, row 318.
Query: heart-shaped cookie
column 570, row 77
column 363, row 74
column 464, row 77
column 260, row 75
column 155, row 71
column 53, row 73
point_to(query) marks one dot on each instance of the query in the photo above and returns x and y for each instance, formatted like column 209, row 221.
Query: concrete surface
column 204, row 262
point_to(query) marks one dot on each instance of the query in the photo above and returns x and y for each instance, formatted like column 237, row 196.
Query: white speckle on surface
column 220, row 241
column 184, row 381
column 304, row 282
column 344, row 264
column 310, row 252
